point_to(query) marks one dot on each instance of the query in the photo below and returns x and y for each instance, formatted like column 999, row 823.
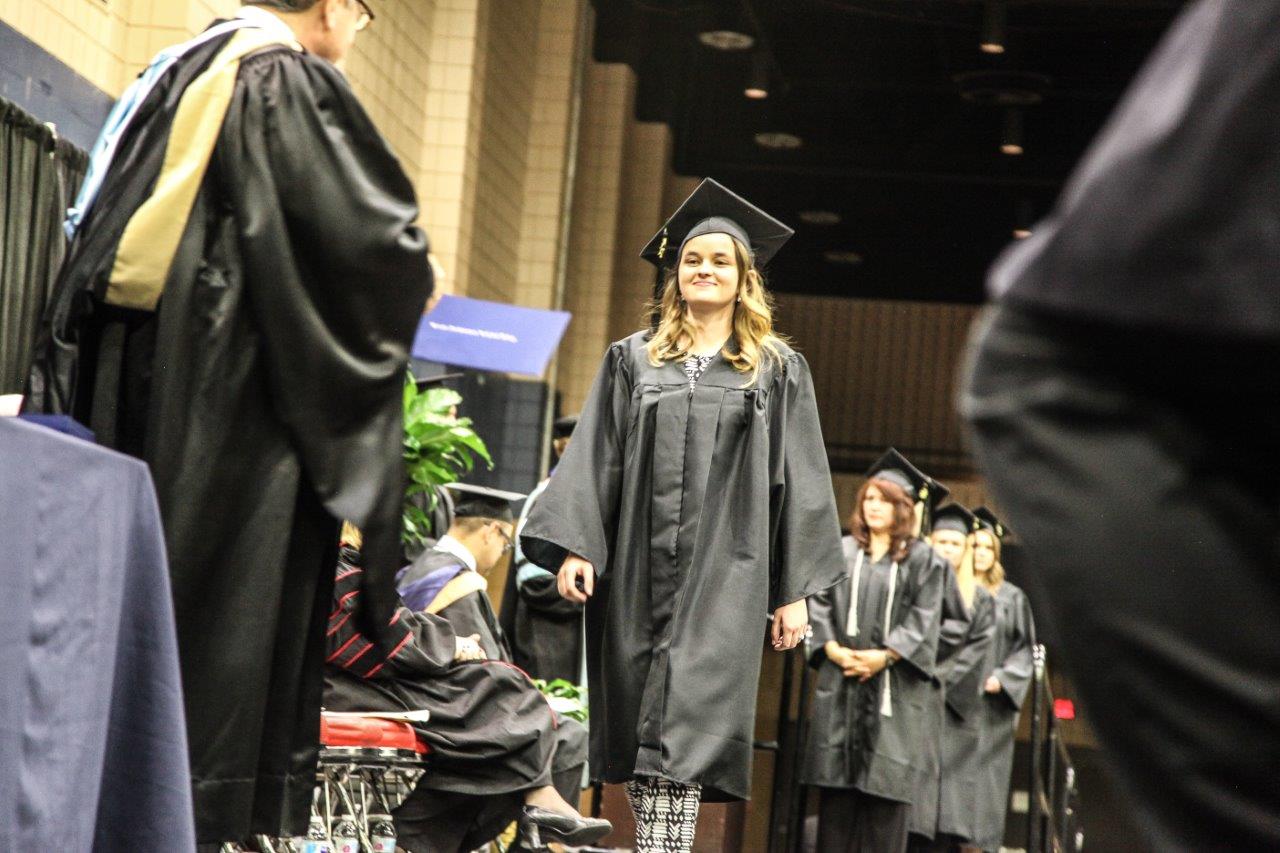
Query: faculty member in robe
column 875, row 641
column 496, row 745
column 963, row 769
column 694, row 501
column 1006, row 680
column 235, row 309
column 1126, row 414
column 545, row 627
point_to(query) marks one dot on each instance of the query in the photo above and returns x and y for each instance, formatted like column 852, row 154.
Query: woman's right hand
column 575, row 570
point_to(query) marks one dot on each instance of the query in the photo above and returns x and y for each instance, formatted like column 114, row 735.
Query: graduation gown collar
column 719, row 373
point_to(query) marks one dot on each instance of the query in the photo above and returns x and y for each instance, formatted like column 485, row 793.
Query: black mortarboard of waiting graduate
column 714, row 209
column 988, row 519
column 919, row 486
column 482, row 502
column 955, row 517
column 564, row 427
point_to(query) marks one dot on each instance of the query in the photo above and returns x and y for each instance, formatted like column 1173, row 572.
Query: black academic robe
column 544, row 627
column 491, row 732
column 264, row 391
column 702, row 510
column 953, row 631
column 461, row 600
column 963, row 768
column 464, row 603
column 852, row 743
column 1010, row 661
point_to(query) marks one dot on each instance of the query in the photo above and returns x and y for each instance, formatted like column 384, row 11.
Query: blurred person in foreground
column 1124, row 406
column 242, row 286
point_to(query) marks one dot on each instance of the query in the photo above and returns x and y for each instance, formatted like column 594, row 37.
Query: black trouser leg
column 1139, row 474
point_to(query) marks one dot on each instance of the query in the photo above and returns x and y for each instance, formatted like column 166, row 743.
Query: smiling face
column 709, row 273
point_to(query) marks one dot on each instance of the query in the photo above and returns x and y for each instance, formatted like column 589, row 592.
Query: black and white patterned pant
column 666, row 813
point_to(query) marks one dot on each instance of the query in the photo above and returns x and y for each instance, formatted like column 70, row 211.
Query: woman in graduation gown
column 1008, row 675
column 694, row 501
column 875, row 643
column 962, row 770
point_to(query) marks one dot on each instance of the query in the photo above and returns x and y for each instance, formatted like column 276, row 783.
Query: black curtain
column 39, row 176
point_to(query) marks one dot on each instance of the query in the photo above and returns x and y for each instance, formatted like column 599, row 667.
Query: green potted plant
column 439, row 448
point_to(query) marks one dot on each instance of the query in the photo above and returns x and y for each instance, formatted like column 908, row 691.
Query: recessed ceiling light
column 1011, row 149
column 840, row 256
column 778, row 140
column 726, row 40
column 756, row 93
column 819, row 217
column 994, row 15
column 1021, row 233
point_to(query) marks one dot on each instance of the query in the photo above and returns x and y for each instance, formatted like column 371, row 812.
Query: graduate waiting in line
column 694, row 501
column 1006, row 679
column 959, row 784
column 875, row 640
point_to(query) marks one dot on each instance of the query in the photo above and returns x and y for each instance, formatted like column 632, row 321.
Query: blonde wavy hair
column 752, row 322
column 994, row 576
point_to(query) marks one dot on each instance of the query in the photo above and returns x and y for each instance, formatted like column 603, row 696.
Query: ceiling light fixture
column 994, row 16
column 726, row 40
column 779, row 141
column 1024, row 214
column 819, row 217
column 758, row 85
column 842, row 256
column 1011, row 132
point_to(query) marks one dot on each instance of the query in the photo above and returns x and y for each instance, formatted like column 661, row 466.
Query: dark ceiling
column 876, row 91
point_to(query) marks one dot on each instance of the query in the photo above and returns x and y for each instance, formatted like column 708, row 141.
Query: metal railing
column 1053, row 799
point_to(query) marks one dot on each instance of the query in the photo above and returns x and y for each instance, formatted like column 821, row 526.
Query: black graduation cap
column 714, row 209
column 482, row 502
column 564, row 427
column 955, row 517
column 919, row 486
column 989, row 520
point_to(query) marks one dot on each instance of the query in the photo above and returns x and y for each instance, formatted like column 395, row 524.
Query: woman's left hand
column 790, row 625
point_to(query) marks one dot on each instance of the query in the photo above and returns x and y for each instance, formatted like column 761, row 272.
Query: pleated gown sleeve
column 1015, row 671
column 955, row 618
column 964, row 674
column 806, row 555
column 915, row 638
column 327, row 217
column 578, row 512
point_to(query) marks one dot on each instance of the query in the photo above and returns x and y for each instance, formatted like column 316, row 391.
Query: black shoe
column 538, row 826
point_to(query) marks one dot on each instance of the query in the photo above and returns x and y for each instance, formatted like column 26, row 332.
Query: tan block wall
column 606, row 110
column 647, row 155
column 388, row 71
column 547, row 154
column 109, row 43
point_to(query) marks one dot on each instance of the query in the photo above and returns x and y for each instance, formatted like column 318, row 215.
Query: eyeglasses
column 366, row 16
column 510, row 543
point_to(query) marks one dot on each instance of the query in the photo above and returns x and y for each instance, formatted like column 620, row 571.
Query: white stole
column 851, row 619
